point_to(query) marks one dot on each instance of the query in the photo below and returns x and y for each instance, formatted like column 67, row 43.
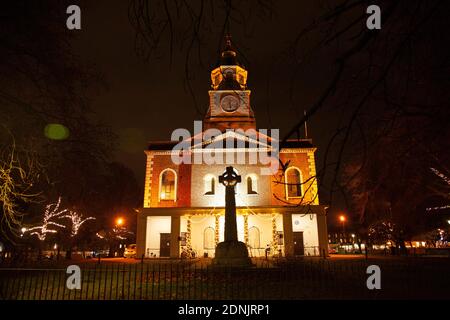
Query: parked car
column 333, row 248
column 100, row 253
column 130, row 251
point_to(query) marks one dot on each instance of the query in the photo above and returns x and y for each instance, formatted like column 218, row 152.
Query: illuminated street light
column 23, row 230
column 342, row 219
column 448, row 221
column 120, row 221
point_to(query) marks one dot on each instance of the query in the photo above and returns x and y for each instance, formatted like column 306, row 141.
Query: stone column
column 288, row 235
column 141, row 235
column 231, row 252
column 230, row 215
column 322, row 230
column 174, row 236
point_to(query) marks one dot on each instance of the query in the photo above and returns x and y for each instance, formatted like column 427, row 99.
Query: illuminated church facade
column 183, row 210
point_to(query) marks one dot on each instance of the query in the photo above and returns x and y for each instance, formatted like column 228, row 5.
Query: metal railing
column 313, row 278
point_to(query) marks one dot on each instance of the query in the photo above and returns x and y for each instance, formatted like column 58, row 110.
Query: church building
column 183, row 209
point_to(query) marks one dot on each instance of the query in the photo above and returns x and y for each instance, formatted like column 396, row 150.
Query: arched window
column 210, row 184
column 252, row 186
column 293, row 178
column 168, row 185
column 208, row 239
column 254, row 238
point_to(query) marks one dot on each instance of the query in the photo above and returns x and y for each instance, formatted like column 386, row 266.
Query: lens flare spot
column 56, row 131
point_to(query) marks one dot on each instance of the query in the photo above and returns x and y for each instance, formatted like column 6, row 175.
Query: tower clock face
column 229, row 103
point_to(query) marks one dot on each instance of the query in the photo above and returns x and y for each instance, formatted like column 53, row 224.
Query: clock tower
column 229, row 98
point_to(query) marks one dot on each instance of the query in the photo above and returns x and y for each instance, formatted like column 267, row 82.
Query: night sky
column 147, row 100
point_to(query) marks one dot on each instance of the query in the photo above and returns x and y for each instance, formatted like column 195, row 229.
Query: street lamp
column 116, row 231
column 342, row 219
column 120, row 221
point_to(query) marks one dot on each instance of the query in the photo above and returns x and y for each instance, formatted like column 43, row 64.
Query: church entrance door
column 299, row 248
column 164, row 245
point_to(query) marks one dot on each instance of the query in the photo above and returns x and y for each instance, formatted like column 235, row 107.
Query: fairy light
column 47, row 224
column 438, row 208
column 121, row 233
column 274, row 234
column 216, row 229
column 441, row 175
column 246, row 229
column 444, row 178
column 77, row 221
column 188, row 235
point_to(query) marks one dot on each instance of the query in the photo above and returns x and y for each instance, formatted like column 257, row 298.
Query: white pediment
column 249, row 141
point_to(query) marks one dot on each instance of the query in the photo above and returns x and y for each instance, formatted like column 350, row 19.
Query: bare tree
column 43, row 83
column 18, row 172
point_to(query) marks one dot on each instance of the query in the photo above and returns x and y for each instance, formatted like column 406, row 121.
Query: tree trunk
column 69, row 253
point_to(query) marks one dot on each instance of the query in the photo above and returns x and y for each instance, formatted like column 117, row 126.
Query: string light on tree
column 445, row 193
column 438, row 208
column 52, row 211
column 77, row 221
column 121, row 233
column 441, row 175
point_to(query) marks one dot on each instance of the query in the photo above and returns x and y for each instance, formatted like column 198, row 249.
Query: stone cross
column 231, row 252
column 230, row 179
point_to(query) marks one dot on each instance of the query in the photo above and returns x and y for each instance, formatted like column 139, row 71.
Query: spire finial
column 227, row 41
column 228, row 56
column 306, row 125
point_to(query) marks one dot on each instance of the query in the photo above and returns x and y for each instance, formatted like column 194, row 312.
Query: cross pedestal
column 231, row 252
